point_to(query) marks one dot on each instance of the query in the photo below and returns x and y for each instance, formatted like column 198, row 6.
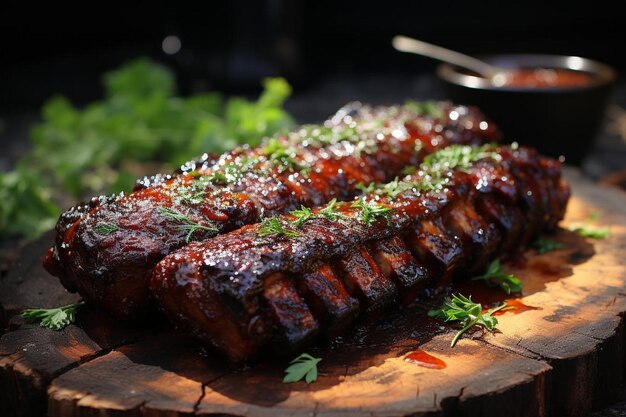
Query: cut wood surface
column 558, row 352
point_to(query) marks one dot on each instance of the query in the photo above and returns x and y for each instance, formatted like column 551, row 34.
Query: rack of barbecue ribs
column 106, row 249
column 291, row 278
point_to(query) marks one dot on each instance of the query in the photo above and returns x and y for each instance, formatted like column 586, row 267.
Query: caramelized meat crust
column 248, row 290
column 106, row 249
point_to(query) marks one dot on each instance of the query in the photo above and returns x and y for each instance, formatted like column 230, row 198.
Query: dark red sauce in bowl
column 552, row 102
column 546, row 78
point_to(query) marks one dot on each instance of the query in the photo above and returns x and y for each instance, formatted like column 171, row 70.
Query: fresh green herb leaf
column 282, row 155
column 366, row 189
column 330, row 212
column 544, row 245
column 239, row 167
column 592, row 232
column 106, row 228
column 217, row 178
column 468, row 313
column 458, row 157
column 185, row 223
column 273, row 226
column 304, row 366
column 370, row 212
column 396, row 187
column 78, row 151
column 52, row 318
column 409, row 170
column 191, row 194
column 426, row 108
column 593, row 216
column 301, row 215
column 507, row 282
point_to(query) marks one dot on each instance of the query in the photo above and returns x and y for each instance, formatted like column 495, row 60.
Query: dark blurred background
column 330, row 51
column 229, row 45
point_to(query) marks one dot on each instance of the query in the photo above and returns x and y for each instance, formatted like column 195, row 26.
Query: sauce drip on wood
column 515, row 306
column 425, row 360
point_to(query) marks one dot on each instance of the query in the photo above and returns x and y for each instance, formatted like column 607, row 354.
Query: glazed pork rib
column 291, row 278
column 106, row 249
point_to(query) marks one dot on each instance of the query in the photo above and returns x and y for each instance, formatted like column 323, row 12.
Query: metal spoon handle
column 405, row 44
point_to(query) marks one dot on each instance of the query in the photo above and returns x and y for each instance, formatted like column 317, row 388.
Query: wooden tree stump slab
column 558, row 352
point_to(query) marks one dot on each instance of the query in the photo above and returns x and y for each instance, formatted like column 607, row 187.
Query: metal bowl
column 559, row 121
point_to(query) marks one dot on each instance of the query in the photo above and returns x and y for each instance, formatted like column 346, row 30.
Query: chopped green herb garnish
column 544, row 245
column 304, row 366
column 458, row 156
column 369, row 212
column 468, row 313
column 329, row 212
column 52, row 318
column 239, row 167
column 106, row 228
column 366, row 189
column 301, row 215
column 185, row 223
column 427, row 108
column 409, row 170
column 593, row 216
column 217, row 178
column 281, row 155
column 396, row 187
column 273, row 226
column 193, row 193
column 507, row 282
column 592, row 232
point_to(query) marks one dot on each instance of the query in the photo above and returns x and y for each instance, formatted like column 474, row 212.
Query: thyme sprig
column 184, row 222
column 462, row 309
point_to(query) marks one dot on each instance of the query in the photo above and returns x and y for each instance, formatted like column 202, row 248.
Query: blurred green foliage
column 78, row 152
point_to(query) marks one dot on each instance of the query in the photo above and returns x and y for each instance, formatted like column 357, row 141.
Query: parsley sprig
column 545, row 245
column 184, row 222
column 304, row 366
column 273, row 226
column 52, row 318
column 589, row 231
column 462, row 309
column 507, row 282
